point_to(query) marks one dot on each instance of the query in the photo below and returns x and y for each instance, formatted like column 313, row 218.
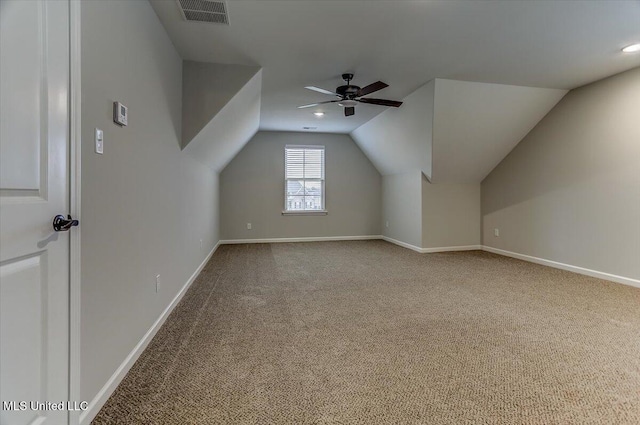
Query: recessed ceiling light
column 318, row 114
column 632, row 49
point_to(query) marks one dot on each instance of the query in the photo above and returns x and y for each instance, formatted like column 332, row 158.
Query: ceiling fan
column 350, row 96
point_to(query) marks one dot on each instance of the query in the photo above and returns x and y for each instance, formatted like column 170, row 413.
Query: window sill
column 317, row 212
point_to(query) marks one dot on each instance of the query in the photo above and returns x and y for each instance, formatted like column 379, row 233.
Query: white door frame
column 75, row 160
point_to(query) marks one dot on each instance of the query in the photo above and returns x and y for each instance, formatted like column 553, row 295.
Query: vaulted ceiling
column 552, row 44
column 475, row 76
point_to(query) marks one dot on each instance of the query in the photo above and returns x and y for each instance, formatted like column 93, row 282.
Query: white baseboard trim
column 402, row 244
column 305, row 239
column 568, row 267
column 105, row 392
column 432, row 250
column 353, row 238
column 453, row 248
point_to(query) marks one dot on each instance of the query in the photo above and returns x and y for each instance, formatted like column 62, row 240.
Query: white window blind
column 304, row 178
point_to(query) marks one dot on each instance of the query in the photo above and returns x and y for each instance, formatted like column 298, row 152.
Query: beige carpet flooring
column 366, row 332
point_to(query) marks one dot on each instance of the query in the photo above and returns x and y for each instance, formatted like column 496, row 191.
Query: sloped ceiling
column 477, row 124
column 230, row 129
column 206, row 89
column 454, row 131
column 550, row 44
column 553, row 44
column 398, row 140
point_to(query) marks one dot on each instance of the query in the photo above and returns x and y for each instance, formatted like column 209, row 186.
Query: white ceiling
column 553, row 44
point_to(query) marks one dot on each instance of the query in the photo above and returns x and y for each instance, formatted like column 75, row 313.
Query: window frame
column 322, row 181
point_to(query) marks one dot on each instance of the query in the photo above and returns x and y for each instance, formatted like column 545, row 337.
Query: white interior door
column 34, row 187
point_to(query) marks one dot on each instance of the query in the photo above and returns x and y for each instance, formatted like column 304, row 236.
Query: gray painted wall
column 145, row 204
column 402, row 207
column 206, row 89
column 252, row 190
column 429, row 215
column 570, row 191
column 450, row 214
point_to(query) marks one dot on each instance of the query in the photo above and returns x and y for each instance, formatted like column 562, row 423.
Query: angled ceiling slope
column 556, row 44
column 226, row 127
column 206, row 89
column 399, row 140
column 477, row 124
column 454, row 131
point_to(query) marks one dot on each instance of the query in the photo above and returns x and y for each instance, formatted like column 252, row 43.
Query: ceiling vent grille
column 213, row 11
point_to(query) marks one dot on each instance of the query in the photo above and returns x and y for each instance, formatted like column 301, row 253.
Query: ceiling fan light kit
column 347, row 103
column 350, row 95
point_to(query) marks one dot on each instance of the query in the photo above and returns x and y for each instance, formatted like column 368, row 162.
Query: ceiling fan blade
column 316, row 104
column 349, row 110
column 319, row 90
column 378, row 85
column 383, row 102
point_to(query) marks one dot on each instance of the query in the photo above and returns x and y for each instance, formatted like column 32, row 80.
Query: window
column 304, row 178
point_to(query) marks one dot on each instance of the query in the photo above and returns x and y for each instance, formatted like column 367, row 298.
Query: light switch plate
column 99, row 141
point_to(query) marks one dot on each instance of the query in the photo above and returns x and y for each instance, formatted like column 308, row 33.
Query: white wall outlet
column 248, row 226
column 386, row 223
column 99, row 141
column 200, row 243
column 157, row 283
column 496, row 232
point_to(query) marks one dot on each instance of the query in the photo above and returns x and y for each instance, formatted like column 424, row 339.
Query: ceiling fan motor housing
column 348, row 91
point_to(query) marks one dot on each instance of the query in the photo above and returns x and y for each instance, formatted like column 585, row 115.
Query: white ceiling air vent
column 212, row 11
